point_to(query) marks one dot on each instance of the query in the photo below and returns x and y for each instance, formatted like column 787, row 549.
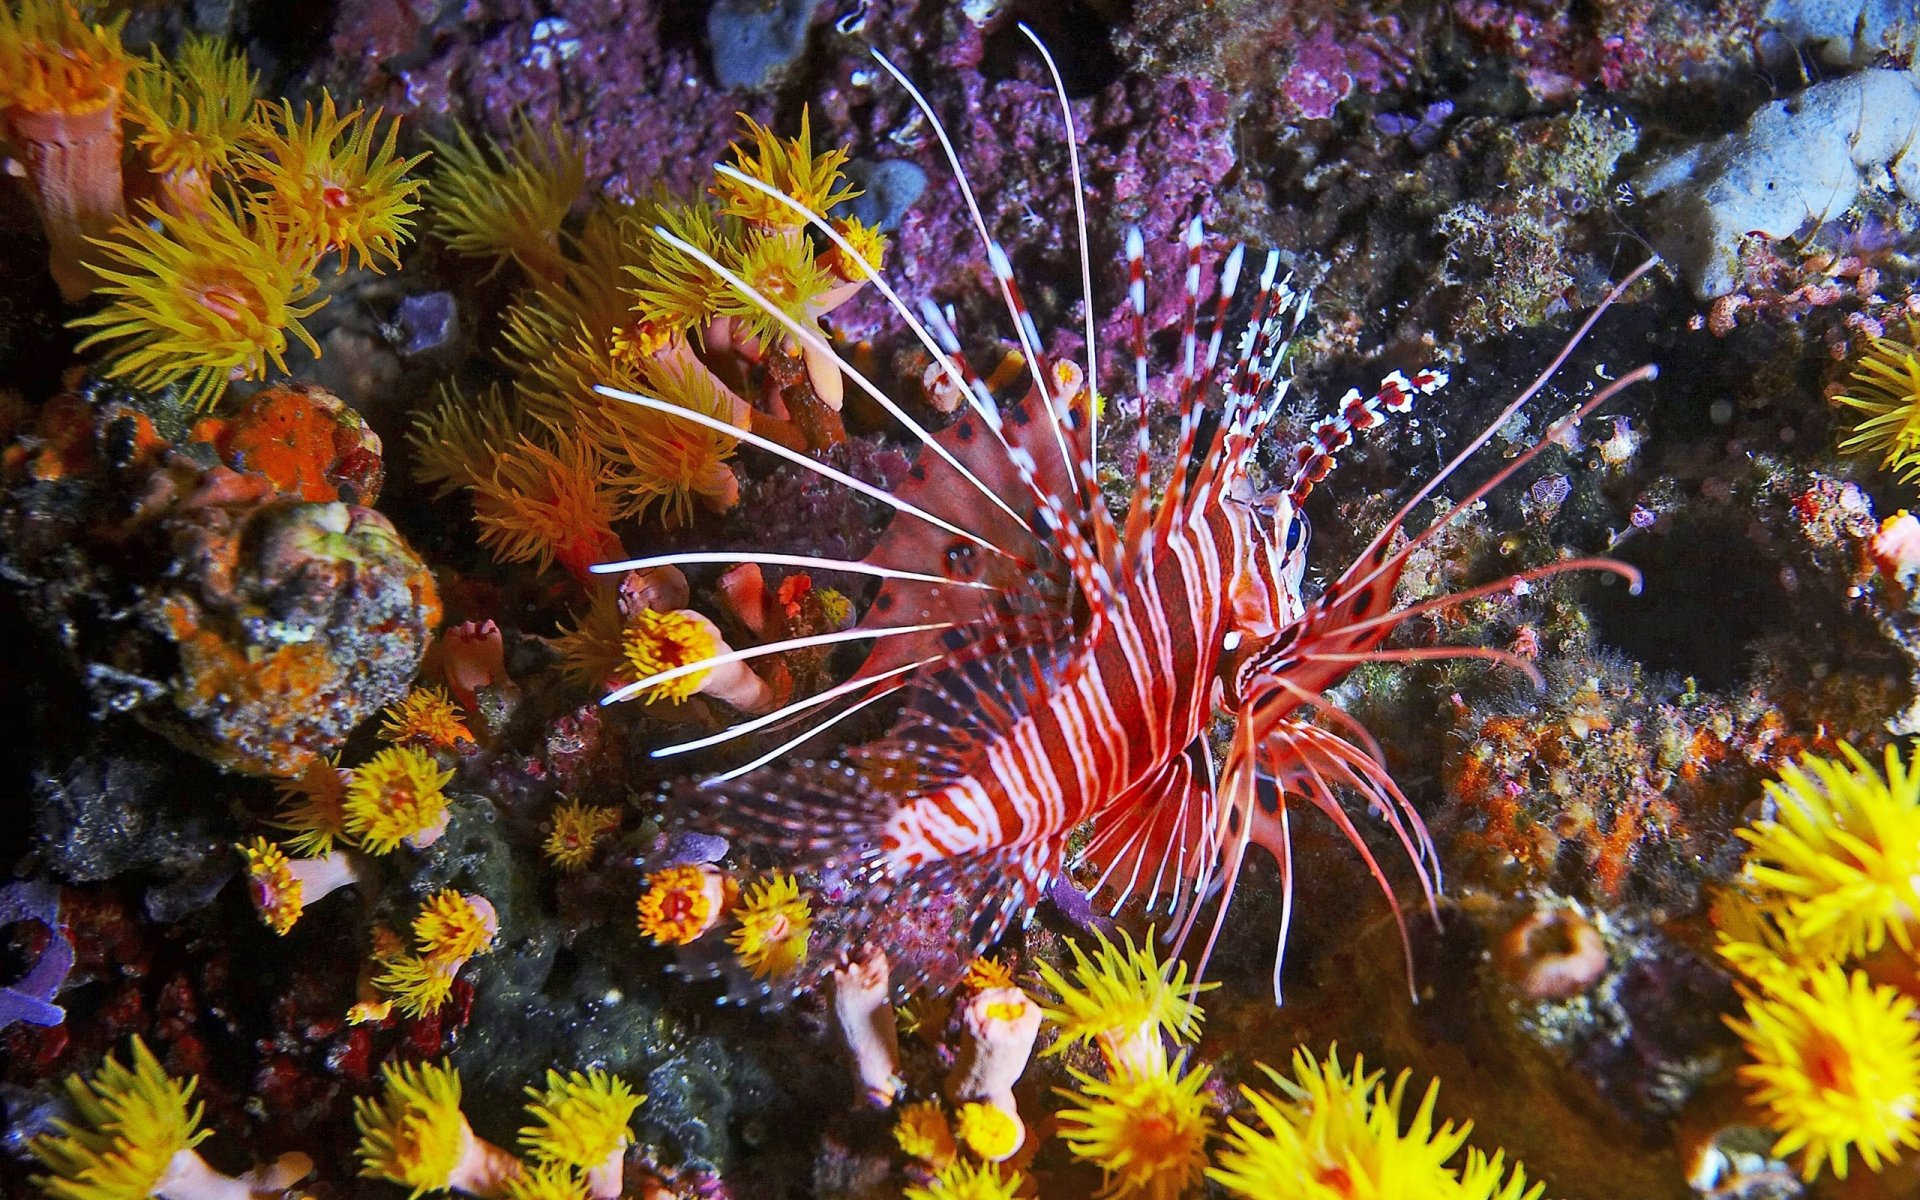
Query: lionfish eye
column 1296, row 532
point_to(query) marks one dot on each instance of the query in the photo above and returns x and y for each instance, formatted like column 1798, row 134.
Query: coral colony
column 627, row 600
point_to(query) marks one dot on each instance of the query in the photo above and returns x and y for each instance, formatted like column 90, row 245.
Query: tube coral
column 191, row 116
column 426, row 719
column 281, row 887
column 923, row 1133
column 134, row 1137
column 683, row 902
column 198, row 300
column 415, row 1135
column 789, row 165
column 1836, row 1067
column 773, row 922
column 579, row 1123
column 577, row 830
column 313, row 808
column 1837, row 866
column 507, row 202
column 968, row 1181
column 542, row 506
column 323, row 182
column 1122, row 999
column 61, row 83
column 398, row 795
column 1146, row 1129
column 1332, row 1134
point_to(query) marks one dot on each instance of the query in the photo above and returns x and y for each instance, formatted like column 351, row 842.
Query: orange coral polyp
column 681, row 903
column 397, row 795
column 53, row 60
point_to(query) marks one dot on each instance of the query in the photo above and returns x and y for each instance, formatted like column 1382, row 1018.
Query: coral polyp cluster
column 208, row 281
column 636, row 299
column 1826, row 906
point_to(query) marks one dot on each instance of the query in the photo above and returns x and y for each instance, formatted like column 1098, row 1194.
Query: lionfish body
column 1056, row 671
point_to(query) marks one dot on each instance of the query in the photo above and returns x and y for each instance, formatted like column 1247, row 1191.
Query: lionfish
column 1056, row 670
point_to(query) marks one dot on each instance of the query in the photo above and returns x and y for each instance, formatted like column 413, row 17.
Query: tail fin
column 826, row 819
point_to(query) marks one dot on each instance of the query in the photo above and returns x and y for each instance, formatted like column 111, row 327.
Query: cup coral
column 198, row 300
column 62, row 78
column 683, row 902
column 923, row 1133
column 425, row 718
column 1123, row 999
column 450, row 928
column 1885, row 395
column 281, row 887
column 543, row 506
column 313, row 808
column 864, row 1012
column 773, row 922
column 579, row 1124
column 1147, row 1129
column 577, row 830
column 1836, row 1067
column 508, row 202
column 398, row 795
column 989, row 1132
column 322, row 182
column 191, row 116
column 416, row 1136
column 1332, row 1134
column 968, row 1181
column 1837, row 865
column 134, row 1137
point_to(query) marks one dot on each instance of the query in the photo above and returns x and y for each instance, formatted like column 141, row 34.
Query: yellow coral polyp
column 683, row 902
column 1335, row 1135
column 419, row 984
column 988, row 1131
column 923, row 1132
column 1836, row 1068
column 1885, row 393
column 198, row 301
column 324, row 183
column 672, row 289
column 425, row 717
column 52, row 59
column 508, row 202
column 414, row 1134
column 869, row 248
column 130, row 1123
column 1145, row 1129
column 968, row 1181
column 773, row 924
column 399, row 793
column 455, row 441
column 654, row 642
column 789, row 166
column 454, row 925
column 313, row 809
column 546, row 1183
column 276, row 893
column 1122, row 998
column 1838, row 864
column 986, row 972
column 782, row 268
column 192, row 115
column 580, row 1120
column 577, row 830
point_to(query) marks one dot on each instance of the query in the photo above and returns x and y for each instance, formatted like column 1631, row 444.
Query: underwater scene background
column 710, row 598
